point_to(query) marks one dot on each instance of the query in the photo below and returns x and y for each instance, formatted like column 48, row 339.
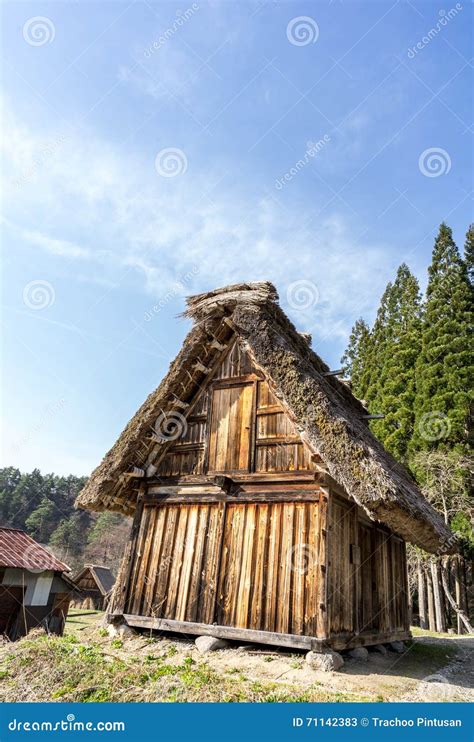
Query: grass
column 65, row 668
column 417, row 632
column 87, row 665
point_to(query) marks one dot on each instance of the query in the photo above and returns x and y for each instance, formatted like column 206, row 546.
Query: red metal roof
column 17, row 549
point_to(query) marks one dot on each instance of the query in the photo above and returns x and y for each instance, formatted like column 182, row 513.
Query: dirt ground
column 433, row 668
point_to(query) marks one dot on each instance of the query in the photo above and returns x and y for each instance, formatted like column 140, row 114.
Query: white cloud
column 62, row 248
column 134, row 223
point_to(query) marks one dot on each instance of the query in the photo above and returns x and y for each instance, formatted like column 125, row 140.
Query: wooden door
column 230, row 436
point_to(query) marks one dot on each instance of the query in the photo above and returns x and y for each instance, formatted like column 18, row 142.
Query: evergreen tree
column 444, row 367
column 370, row 383
column 355, row 357
column 469, row 252
column 41, row 523
column 69, row 536
column 394, row 392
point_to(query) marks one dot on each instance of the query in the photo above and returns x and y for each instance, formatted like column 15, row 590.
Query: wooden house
column 34, row 587
column 264, row 508
column 94, row 583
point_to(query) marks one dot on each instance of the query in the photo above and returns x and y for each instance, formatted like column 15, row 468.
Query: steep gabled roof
column 19, row 550
column 328, row 417
column 102, row 576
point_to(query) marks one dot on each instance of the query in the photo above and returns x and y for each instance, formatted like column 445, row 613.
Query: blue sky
column 153, row 150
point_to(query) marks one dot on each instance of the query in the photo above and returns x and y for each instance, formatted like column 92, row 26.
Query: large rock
column 326, row 661
column 398, row 647
column 210, row 644
column 380, row 649
column 359, row 653
column 120, row 631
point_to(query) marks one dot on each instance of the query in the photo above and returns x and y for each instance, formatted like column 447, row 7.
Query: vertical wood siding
column 367, row 580
column 237, row 425
column 253, row 565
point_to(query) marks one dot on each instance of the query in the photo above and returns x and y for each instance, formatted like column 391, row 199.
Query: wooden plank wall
column 270, row 568
column 241, row 423
column 249, row 565
column 174, row 572
column 367, row 579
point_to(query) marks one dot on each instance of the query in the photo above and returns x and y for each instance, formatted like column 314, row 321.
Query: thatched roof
column 329, row 418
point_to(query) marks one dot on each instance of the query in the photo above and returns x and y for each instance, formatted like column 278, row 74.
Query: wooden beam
column 275, row 441
column 189, row 497
column 338, row 372
column 225, row 632
column 290, row 477
column 136, row 473
column 122, row 585
column 367, row 640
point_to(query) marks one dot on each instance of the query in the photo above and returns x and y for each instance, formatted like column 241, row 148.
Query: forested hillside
column 415, row 368
column 43, row 505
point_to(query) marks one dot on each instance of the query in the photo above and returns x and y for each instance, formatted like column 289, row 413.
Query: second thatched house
column 95, row 583
column 264, row 508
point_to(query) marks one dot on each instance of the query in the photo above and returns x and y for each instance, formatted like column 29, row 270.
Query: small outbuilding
column 264, row 508
column 94, row 583
column 34, row 587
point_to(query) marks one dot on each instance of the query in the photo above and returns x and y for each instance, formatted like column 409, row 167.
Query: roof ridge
column 200, row 306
